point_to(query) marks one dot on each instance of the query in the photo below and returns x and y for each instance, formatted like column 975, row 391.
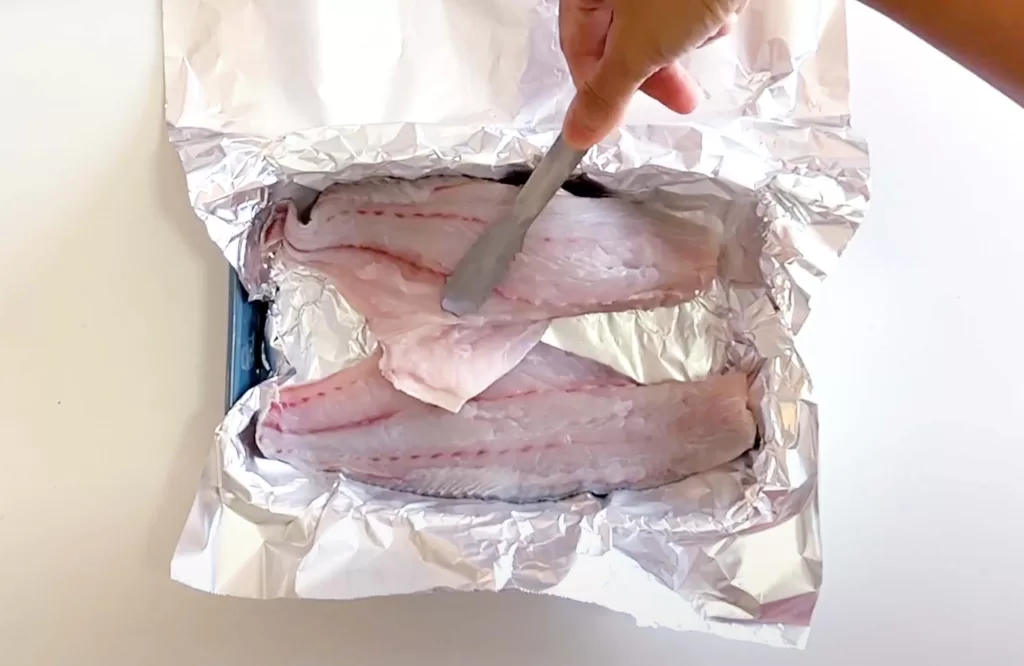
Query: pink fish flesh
column 555, row 426
column 447, row 365
column 389, row 247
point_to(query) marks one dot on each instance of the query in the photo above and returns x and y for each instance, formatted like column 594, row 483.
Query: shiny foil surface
column 272, row 99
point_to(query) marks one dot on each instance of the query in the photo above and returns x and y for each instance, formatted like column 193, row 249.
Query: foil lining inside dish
column 770, row 155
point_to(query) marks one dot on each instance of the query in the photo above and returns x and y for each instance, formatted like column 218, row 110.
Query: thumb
column 601, row 102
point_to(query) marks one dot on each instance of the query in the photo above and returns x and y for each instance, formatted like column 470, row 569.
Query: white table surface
column 113, row 340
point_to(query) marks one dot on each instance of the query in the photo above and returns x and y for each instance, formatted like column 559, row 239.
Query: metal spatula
column 485, row 264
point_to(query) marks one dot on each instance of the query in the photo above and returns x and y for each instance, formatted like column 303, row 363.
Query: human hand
column 616, row 47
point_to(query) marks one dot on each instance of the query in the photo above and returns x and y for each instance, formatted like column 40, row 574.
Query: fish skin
column 389, row 247
column 555, row 426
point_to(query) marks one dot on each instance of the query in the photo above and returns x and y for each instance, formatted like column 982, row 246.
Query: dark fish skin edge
column 581, row 186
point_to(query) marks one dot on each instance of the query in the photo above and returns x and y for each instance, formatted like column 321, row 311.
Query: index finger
column 583, row 30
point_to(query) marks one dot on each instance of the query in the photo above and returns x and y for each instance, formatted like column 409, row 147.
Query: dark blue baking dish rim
column 245, row 364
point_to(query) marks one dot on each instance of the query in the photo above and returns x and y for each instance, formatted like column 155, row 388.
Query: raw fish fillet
column 389, row 247
column 581, row 255
column 555, row 426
